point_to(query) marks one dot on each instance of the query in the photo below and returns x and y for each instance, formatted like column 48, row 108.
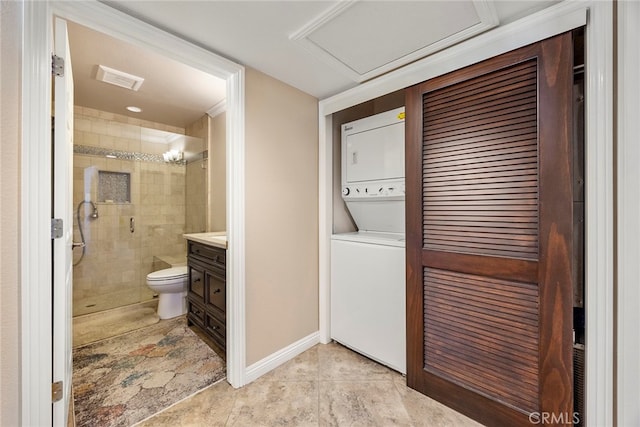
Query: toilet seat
column 168, row 274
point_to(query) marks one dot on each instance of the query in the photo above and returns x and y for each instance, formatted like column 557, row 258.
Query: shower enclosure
column 142, row 205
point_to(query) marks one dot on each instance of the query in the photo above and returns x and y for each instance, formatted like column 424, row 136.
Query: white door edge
column 62, row 209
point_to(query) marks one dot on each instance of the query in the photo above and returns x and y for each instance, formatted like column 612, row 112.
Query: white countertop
column 214, row 238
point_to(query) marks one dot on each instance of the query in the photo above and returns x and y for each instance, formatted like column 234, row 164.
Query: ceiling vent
column 119, row 78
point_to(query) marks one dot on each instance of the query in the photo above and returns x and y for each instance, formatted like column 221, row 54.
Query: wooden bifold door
column 489, row 237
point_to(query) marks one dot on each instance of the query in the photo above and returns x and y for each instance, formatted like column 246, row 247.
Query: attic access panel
column 365, row 39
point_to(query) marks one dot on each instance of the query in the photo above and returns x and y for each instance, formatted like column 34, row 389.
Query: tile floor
column 101, row 325
column 328, row 385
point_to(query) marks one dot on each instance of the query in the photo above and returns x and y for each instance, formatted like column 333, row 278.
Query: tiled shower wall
column 114, row 268
column 197, row 198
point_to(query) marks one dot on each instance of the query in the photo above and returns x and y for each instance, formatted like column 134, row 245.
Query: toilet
column 171, row 286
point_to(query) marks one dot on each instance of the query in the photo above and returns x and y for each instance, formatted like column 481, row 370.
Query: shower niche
column 114, row 187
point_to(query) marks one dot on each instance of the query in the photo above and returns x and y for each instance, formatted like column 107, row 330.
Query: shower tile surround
column 196, row 199
column 113, row 271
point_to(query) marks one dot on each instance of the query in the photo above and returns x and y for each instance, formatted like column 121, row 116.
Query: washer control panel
column 388, row 189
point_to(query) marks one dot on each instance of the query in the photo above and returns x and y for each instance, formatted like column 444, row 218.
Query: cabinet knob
column 217, row 291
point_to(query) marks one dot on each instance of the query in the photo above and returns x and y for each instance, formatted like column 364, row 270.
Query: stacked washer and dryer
column 368, row 266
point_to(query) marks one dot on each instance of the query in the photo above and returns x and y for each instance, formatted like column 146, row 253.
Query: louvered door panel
column 487, row 148
column 478, row 328
column 489, row 223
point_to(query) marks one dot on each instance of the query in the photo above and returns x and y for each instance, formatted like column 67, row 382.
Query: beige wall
column 218, row 173
column 10, row 51
column 281, row 215
column 196, row 185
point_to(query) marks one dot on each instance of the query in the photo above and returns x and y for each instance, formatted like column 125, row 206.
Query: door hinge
column 56, row 391
column 57, row 66
column 56, row 228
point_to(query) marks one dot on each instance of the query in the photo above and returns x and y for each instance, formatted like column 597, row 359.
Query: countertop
column 214, row 238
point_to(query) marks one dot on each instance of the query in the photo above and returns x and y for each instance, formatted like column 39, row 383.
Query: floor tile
column 98, row 326
column 426, row 412
column 210, row 407
column 271, row 403
column 303, row 367
column 363, row 403
column 339, row 363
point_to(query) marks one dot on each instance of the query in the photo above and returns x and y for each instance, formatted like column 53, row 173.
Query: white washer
column 368, row 295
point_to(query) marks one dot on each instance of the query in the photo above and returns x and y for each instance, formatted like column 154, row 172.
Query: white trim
column 599, row 215
column 217, row 109
column 110, row 21
column 322, row 18
column 35, row 225
column 36, row 184
column 276, row 359
column 325, row 224
column 628, row 159
column 235, row 148
column 554, row 20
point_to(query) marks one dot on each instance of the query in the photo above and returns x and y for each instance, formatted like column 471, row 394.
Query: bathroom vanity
column 206, row 298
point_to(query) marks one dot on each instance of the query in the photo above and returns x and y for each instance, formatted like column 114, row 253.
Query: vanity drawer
column 208, row 254
column 196, row 281
column 195, row 313
column 216, row 329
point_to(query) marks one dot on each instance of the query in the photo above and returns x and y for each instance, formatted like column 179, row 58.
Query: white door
column 62, row 208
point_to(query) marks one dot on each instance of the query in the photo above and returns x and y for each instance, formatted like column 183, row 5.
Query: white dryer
column 368, row 266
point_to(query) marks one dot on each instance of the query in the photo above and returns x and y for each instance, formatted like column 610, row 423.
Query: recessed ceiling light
column 134, row 109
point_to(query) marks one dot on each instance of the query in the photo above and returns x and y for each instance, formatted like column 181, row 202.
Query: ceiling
column 172, row 93
column 319, row 47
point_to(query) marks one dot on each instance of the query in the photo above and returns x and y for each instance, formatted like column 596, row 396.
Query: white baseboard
column 276, row 359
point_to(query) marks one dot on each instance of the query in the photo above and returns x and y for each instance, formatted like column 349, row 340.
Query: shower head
column 94, row 214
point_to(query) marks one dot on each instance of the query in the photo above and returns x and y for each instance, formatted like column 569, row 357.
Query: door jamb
column 35, row 250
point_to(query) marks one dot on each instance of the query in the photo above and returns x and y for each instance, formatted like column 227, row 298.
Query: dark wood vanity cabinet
column 206, row 300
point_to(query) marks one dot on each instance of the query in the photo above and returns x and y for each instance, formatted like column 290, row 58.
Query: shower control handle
column 132, row 224
column 77, row 245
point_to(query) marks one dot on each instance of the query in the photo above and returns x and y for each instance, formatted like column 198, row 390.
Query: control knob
column 346, row 191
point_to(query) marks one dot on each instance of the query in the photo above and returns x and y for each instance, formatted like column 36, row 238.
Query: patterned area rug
column 125, row 379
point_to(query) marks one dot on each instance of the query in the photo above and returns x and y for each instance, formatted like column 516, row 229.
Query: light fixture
column 173, row 156
column 134, row 109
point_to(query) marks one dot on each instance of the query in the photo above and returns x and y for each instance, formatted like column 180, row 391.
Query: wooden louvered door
column 489, row 237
